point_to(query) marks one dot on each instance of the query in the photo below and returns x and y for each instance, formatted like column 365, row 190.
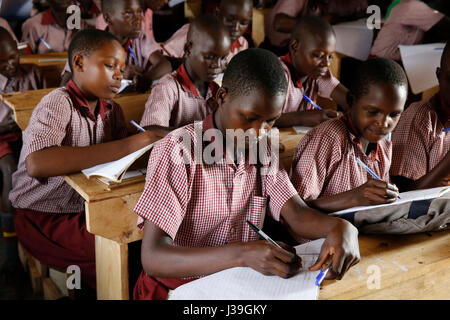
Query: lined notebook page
column 245, row 283
column 409, row 196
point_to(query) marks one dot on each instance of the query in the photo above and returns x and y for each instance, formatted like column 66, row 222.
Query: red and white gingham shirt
column 175, row 101
column 31, row 79
column 322, row 86
column 62, row 118
column 406, row 25
column 200, row 205
column 324, row 161
column 43, row 25
column 419, row 144
column 174, row 47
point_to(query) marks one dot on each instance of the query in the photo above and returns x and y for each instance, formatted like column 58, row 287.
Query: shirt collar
column 48, row 18
column 294, row 75
column 355, row 138
column 186, row 82
column 80, row 101
column 235, row 45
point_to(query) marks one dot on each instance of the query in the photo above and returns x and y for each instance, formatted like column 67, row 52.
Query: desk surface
column 46, row 59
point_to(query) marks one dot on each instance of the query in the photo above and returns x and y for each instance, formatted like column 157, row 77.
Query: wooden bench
column 51, row 65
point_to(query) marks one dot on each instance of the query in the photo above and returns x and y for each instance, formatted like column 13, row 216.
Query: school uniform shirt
column 43, row 25
column 174, row 47
column 147, row 23
column 419, row 144
column 322, row 86
column 292, row 8
column 324, row 161
column 199, row 204
column 62, row 118
column 4, row 23
column 406, row 25
column 175, row 101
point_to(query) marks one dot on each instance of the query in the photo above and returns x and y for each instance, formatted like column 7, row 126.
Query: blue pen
column 137, row 126
column 312, row 102
column 362, row 164
column 446, row 129
column 133, row 55
column 45, row 43
column 322, row 274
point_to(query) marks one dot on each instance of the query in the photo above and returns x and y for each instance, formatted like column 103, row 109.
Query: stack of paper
column 245, row 283
column 354, row 39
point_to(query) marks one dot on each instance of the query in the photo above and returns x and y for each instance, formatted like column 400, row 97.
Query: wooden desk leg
column 111, row 260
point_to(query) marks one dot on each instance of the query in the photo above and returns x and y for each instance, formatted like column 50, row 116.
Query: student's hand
column 341, row 245
column 375, row 192
column 319, row 116
column 446, row 181
column 268, row 259
column 140, row 80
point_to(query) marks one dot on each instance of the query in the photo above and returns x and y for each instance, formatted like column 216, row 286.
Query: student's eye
column 109, row 66
column 317, row 55
column 395, row 114
column 372, row 112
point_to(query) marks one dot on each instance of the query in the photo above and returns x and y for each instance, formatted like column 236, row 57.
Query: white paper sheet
column 245, row 283
column 354, row 39
column 409, row 196
column 420, row 63
column 302, row 129
column 124, row 83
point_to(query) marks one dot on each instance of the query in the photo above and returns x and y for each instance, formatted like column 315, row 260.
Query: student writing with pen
column 308, row 75
column 345, row 162
column 194, row 214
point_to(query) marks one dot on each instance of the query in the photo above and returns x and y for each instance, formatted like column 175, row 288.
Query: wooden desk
column 110, row 218
column 51, row 65
column 23, row 104
column 258, row 23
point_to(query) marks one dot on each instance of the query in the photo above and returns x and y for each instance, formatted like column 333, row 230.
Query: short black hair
column 87, row 41
column 206, row 23
column 377, row 70
column 311, row 25
column 107, row 6
column 254, row 69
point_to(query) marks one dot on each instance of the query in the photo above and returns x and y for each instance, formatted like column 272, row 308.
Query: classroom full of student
column 187, row 208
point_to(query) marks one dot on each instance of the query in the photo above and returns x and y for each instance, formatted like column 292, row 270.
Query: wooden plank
column 258, row 22
column 335, row 66
column 114, row 218
column 111, row 262
column 429, row 93
column 45, row 59
column 409, row 267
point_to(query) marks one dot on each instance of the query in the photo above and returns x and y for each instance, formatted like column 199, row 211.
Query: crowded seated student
column 409, row 23
column 286, row 13
column 4, row 24
column 72, row 128
column 194, row 210
column 421, row 141
column 144, row 60
column 181, row 97
column 306, row 66
column 13, row 78
column 89, row 11
column 326, row 170
column 236, row 15
column 47, row 31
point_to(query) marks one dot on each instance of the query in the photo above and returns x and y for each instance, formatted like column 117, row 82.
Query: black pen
column 262, row 234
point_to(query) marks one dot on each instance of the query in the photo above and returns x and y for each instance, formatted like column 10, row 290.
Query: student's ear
column 438, row 73
column 221, row 95
column 107, row 18
column 77, row 63
column 294, row 45
column 187, row 48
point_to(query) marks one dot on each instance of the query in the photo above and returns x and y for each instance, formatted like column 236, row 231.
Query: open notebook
column 247, row 284
column 409, row 196
column 114, row 171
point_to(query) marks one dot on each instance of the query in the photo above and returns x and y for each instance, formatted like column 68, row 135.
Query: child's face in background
column 443, row 74
column 126, row 19
column 312, row 55
column 206, row 55
column 377, row 113
column 101, row 72
column 236, row 17
column 9, row 57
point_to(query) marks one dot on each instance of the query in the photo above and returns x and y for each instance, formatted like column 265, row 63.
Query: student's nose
column 326, row 61
column 383, row 121
column 235, row 25
column 263, row 127
column 118, row 75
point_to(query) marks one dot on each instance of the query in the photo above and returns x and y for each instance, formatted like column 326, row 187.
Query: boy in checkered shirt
column 307, row 71
column 180, row 98
column 421, row 143
column 325, row 171
column 194, row 212
column 72, row 128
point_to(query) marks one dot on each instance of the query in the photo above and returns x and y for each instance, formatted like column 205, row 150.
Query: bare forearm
column 339, row 95
column 161, row 67
column 298, row 118
column 434, row 177
column 333, row 203
column 56, row 161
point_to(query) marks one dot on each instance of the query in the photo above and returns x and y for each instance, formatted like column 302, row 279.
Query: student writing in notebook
column 72, row 128
column 307, row 71
column 13, row 78
column 144, row 60
column 194, row 213
column 181, row 97
column 325, row 171
column 421, row 143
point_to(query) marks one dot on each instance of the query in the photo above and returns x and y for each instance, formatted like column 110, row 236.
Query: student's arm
column 284, row 23
column 61, row 160
column 371, row 193
column 339, row 95
column 160, row 66
column 159, row 131
column 341, row 236
column 309, row 118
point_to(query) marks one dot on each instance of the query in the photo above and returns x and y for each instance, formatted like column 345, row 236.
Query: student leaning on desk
column 195, row 213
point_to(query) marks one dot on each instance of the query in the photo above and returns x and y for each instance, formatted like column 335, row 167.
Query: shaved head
column 312, row 27
column 7, row 43
column 209, row 25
